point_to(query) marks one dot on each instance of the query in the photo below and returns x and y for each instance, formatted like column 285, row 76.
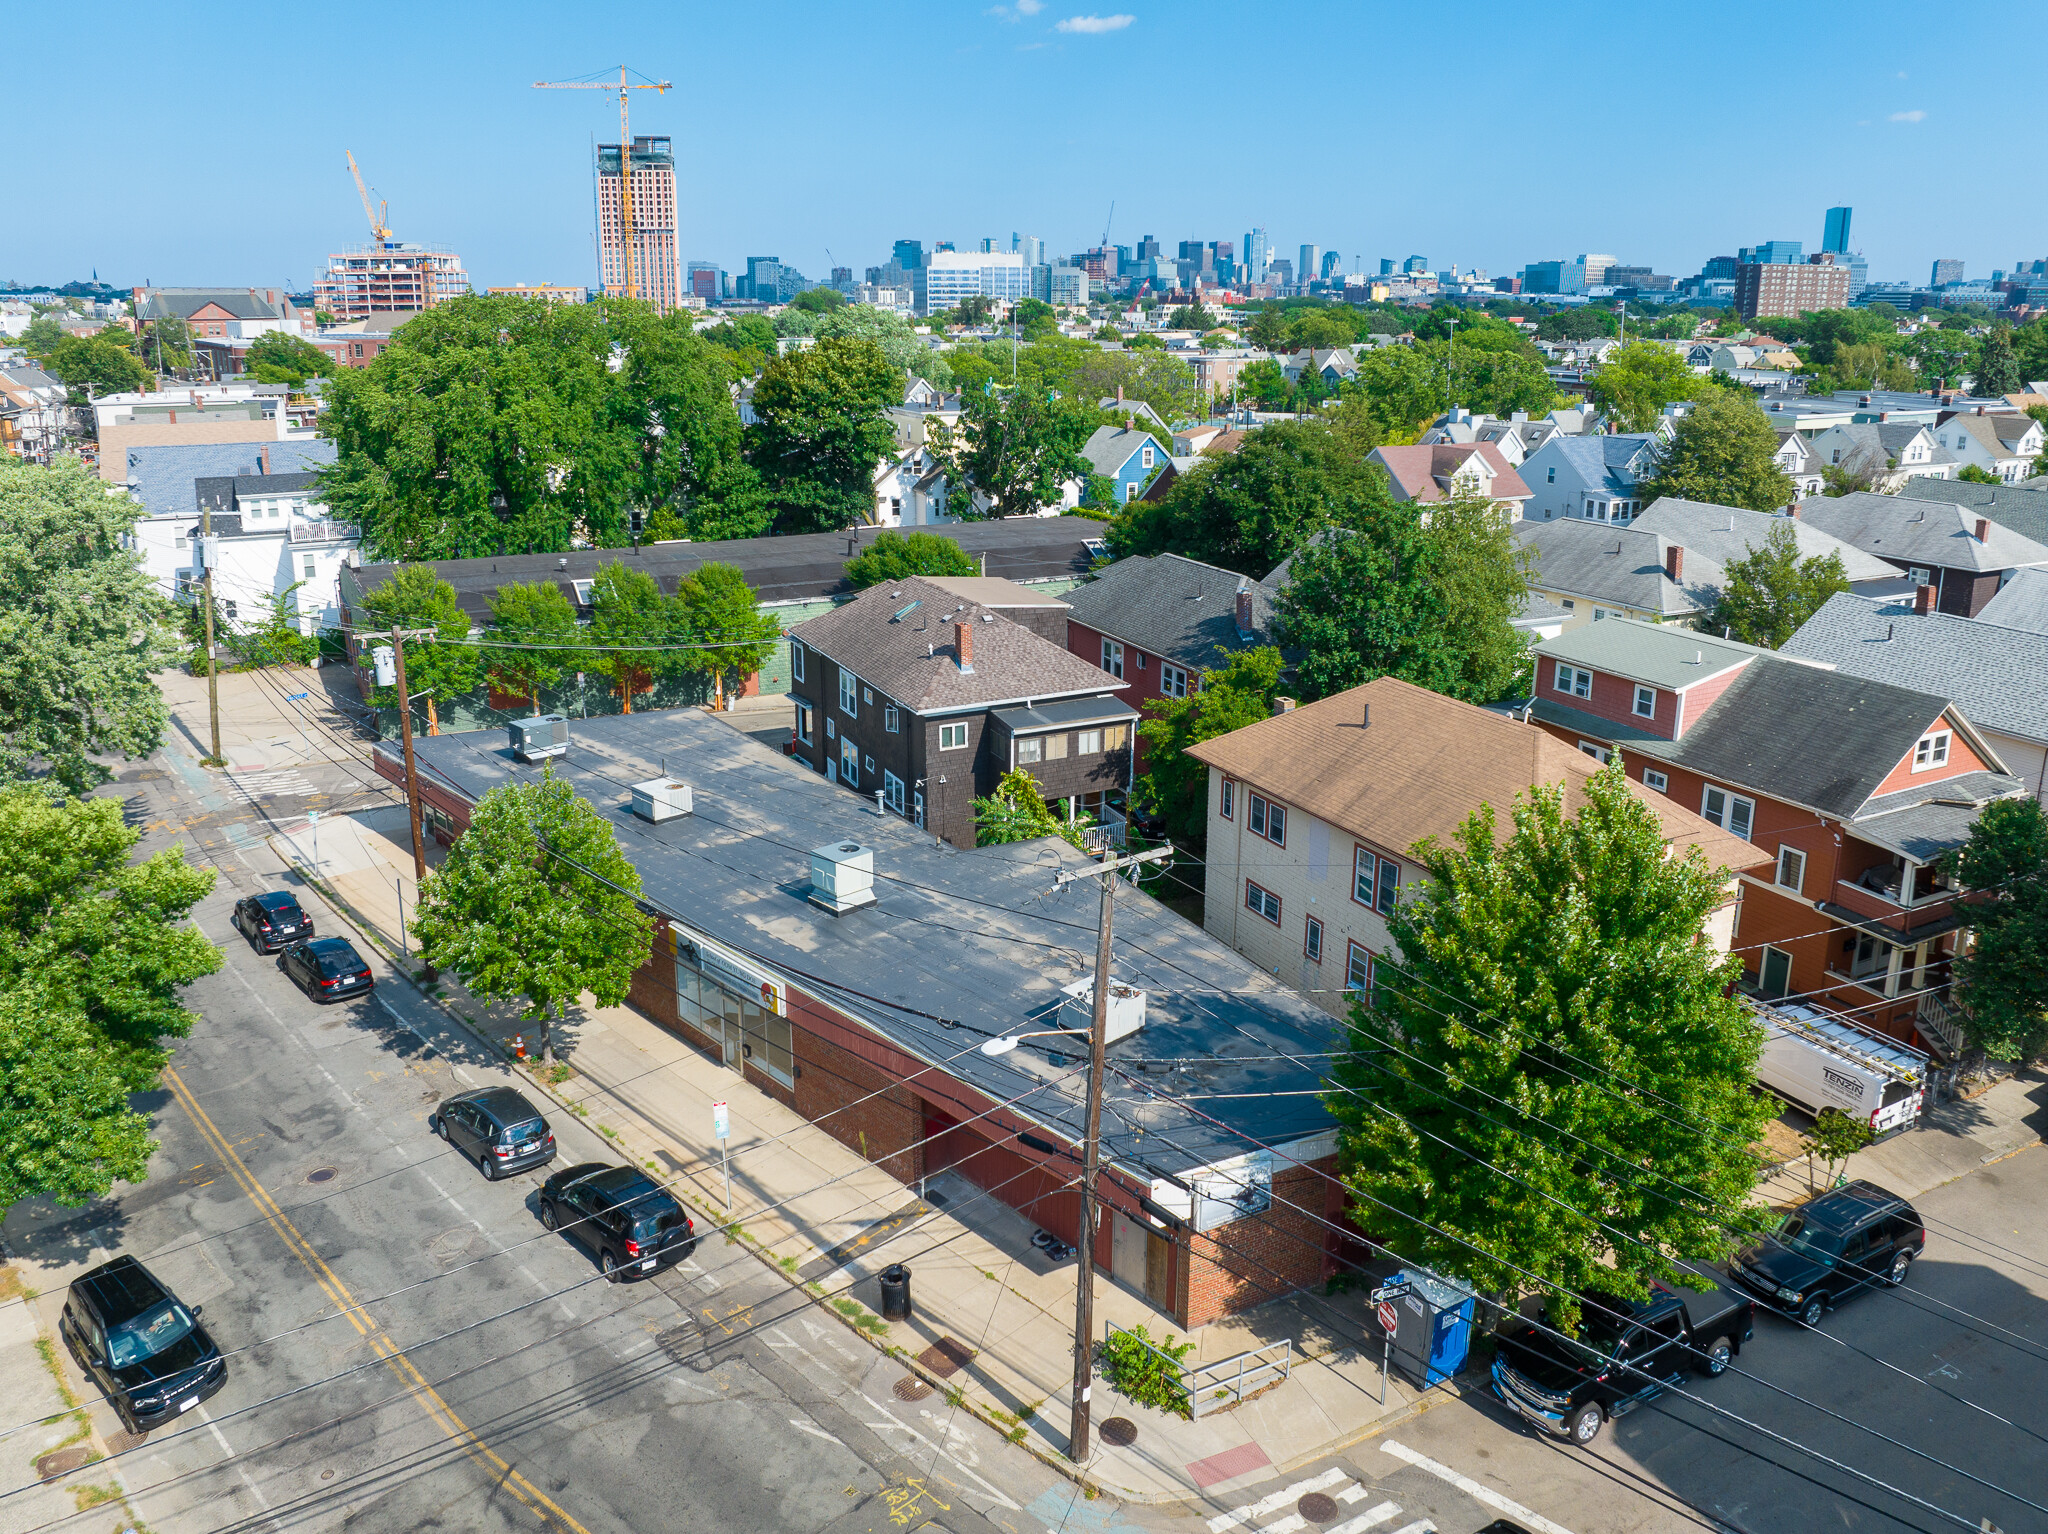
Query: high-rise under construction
column 656, row 269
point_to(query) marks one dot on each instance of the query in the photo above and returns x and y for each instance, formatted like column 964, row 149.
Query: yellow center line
column 365, row 1324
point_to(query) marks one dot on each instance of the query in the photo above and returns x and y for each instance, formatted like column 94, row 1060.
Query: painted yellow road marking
column 365, row 1324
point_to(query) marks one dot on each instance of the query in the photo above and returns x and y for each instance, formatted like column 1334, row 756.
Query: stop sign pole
column 1390, row 1321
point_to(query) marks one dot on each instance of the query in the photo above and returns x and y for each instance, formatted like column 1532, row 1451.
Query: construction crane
column 624, row 88
column 380, row 229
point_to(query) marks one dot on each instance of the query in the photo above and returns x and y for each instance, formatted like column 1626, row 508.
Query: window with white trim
column 803, row 723
column 1570, row 679
column 1357, row 968
column 796, row 661
column 1262, row 902
column 1229, row 800
column 1113, row 658
column 1729, row 811
column 1656, row 780
column 1312, row 941
column 1030, row 749
column 1931, row 750
column 1791, row 868
column 892, row 720
column 1088, row 743
column 1598, row 752
column 849, row 694
column 953, row 737
column 1173, row 681
column 1646, row 701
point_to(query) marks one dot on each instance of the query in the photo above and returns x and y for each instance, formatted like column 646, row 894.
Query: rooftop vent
column 842, row 877
column 540, row 737
column 1126, row 1009
column 660, row 799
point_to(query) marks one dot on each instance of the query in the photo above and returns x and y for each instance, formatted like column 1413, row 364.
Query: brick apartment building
column 887, row 1001
column 1782, row 289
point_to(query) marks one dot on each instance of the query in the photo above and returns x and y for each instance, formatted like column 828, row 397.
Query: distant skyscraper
column 1946, row 270
column 1836, row 235
column 1030, row 247
column 1333, row 265
column 657, row 267
column 1769, row 253
column 1306, row 267
column 1149, row 249
column 1386, row 266
column 1257, row 254
column 908, row 254
column 1596, row 268
column 1415, row 264
column 951, row 276
column 988, row 244
column 1282, row 271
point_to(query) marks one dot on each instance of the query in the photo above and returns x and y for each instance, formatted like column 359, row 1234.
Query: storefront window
column 747, row 1031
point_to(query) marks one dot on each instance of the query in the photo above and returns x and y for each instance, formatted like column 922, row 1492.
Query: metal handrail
column 1230, row 1381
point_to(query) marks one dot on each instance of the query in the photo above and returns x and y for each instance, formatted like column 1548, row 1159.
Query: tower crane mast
column 625, row 88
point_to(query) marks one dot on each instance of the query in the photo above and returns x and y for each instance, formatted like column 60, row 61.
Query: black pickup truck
column 1625, row 1353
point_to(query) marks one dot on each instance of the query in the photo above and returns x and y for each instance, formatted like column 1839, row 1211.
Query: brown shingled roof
column 1422, row 765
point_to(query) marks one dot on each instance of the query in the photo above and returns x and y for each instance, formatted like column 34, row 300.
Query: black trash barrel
column 895, row 1292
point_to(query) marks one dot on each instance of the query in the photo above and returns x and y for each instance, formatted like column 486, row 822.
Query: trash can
column 1434, row 1336
column 895, row 1292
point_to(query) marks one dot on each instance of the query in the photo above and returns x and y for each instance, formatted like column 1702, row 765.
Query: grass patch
column 955, row 1395
column 560, row 1074
column 47, row 1351
column 90, row 1497
column 607, row 1131
column 11, row 1286
column 1029, row 1411
column 1018, row 1433
column 787, row 1264
column 1091, row 1491
column 579, row 1110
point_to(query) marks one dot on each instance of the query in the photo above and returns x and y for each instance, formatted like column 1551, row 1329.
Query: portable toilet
column 1434, row 1336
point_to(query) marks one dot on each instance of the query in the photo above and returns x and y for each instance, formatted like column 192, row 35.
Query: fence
column 1224, row 1384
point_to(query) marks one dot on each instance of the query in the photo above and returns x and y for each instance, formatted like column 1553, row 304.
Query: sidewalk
column 828, row 1220
column 55, row 1454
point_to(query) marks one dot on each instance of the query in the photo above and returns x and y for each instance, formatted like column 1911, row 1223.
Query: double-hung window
column 803, row 723
column 849, row 694
column 1113, row 658
column 1570, row 679
column 1791, row 868
column 1030, row 748
column 849, row 763
column 1374, row 880
column 1269, row 820
column 1088, row 743
column 1646, row 701
column 1357, row 968
column 1729, row 811
column 892, row 791
column 1656, row 780
column 1229, row 799
column 1173, row 681
column 1262, row 902
column 1312, row 941
column 892, row 719
column 796, row 661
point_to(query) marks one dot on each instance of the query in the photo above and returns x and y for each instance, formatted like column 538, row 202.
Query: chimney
column 1980, row 410
column 1862, row 399
column 1244, row 612
column 963, row 643
column 1674, row 562
column 1983, row 528
column 1283, row 705
column 1923, row 600
column 1792, row 511
column 264, row 454
column 1119, row 396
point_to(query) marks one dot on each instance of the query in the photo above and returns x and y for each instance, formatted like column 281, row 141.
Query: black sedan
column 141, row 1344
column 327, row 969
column 271, row 920
column 497, row 1128
column 630, row 1222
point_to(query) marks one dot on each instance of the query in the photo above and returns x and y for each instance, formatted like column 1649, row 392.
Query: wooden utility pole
column 212, row 672
column 1098, row 1028
column 412, row 781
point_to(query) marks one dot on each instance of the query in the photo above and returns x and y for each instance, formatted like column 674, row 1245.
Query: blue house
column 1125, row 455
column 1596, row 478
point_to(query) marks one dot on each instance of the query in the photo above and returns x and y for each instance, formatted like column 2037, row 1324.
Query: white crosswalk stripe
column 1272, row 1504
column 1485, row 1496
column 1371, row 1518
column 267, row 784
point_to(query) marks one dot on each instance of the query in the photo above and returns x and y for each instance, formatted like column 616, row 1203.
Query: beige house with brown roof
column 1312, row 814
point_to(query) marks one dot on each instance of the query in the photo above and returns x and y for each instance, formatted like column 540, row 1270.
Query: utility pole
column 412, row 781
column 212, row 673
column 1098, row 1026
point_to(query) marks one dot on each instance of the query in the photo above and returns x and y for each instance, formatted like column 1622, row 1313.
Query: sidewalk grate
column 1317, row 1508
column 946, row 1357
column 1119, row 1431
column 123, row 1441
column 911, row 1388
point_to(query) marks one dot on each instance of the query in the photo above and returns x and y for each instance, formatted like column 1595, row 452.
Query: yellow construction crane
column 380, row 230
column 624, row 88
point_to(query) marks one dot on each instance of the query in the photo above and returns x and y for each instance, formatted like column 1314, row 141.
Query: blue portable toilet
column 1434, row 1337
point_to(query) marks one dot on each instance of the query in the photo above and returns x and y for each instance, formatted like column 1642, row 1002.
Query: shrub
column 1146, row 1372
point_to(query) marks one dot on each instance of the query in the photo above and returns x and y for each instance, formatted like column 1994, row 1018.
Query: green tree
column 819, row 300
column 1832, row 1139
column 539, row 621
column 1268, row 328
column 720, row 613
column 536, row 903
column 1573, row 939
column 674, row 416
column 277, row 358
column 1998, row 370
column 1017, row 812
column 1640, row 380
column 906, row 350
column 94, row 950
column 44, row 334
column 1580, row 324
column 1155, row 378
column 1109, row 333
column 1016, row 446
column 439, row 669
column 893, row 556
column 2003, row 872
column 632, row 626
column 81, row 629
column 165, row 344
column 92, row 367
column 1480, row 571
column 2030, row 348
column 820, row 429
column 1264, row 383
column 1771, row 591
column 1722, row 450
column 1191, row 317
column 1174, row 784
column 749, row 341
column 1035, row 318
column 1971, row 474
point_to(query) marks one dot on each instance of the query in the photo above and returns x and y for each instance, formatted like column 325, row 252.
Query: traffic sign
column 1389, row 1318
column 720, row 1126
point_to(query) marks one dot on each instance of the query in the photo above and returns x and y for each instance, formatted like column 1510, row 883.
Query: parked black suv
column 628, row 1220
column 496, row 1128
column 145, row 1349
column 1830, row 1247
column 271, row 920
column 328, row 969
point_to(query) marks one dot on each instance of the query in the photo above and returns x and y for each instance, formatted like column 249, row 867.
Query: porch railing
column 1940, row 1021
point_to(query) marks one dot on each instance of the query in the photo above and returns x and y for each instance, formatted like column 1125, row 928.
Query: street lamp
column 1009, row 1041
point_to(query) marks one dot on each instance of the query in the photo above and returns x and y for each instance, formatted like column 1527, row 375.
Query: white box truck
column 1819, row 1059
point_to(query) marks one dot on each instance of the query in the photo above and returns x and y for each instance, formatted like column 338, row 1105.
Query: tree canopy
column 1547, row 995
column 81, row 629
column 415, row 596
column 277, row 358
column 1770, row 591
column 893, row 555
column 2003, row 872
column 1640, row 380
column 1016, row 446
column 820, row 430
column 537, row 619
column 536, row 903
column 1230, row 696
column 1723, row 450
column 721, row 616
column 92, row 366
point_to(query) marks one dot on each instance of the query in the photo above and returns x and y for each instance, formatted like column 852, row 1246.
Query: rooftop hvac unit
column 540, row 737
column 1126, row 1009
column 842, row 877
column 660, row 799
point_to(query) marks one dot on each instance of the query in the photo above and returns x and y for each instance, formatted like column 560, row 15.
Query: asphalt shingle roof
column 1597, row 459
column 1915, row 531
column 1109, row 448
column 1726, row 534
column 1661, row 655
column 1600, row 562
column 1997, row 676
column 899, row 638
column 164, row 478
column 2022, row 603
column 2022, row 507
column 979, row 939
column 1167, row 605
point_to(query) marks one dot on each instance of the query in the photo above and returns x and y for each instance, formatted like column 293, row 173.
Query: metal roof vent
column 540, row 737
column 842, row 877
column 660, row 799
column 1126, row 1009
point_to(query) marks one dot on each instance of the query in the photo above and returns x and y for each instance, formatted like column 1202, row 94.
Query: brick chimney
column 1244, row 612
column 264, row 453
column 1283, row 705
column 1674, row 562
column 1983, row 528
column 1792, row 511
column 1923, row 600
column 963, row 643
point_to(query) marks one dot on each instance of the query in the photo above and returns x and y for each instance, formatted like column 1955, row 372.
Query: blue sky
column 206, row 146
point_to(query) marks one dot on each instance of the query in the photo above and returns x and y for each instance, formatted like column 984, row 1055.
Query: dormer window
column 1931, row 751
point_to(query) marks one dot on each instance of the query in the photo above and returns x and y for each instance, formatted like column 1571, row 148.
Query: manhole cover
column 62, row 1461
column 911, row 1388
column 321, row 1174
column 1316, row 1507
column 328, row 1475
column 1121, row 1431
column 121, row 1443
column 946, row 1357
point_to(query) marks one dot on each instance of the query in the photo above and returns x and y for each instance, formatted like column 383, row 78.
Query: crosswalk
column 270, row 785
column 1339, row 1486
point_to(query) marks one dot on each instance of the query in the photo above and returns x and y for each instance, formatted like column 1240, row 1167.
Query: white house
column 2002, row 444
column 1594, row 478
column 1890, row 452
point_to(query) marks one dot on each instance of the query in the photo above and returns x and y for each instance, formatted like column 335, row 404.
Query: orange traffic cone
column 519, row 1045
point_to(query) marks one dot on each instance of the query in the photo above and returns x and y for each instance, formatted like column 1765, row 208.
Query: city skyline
column 802, row 160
